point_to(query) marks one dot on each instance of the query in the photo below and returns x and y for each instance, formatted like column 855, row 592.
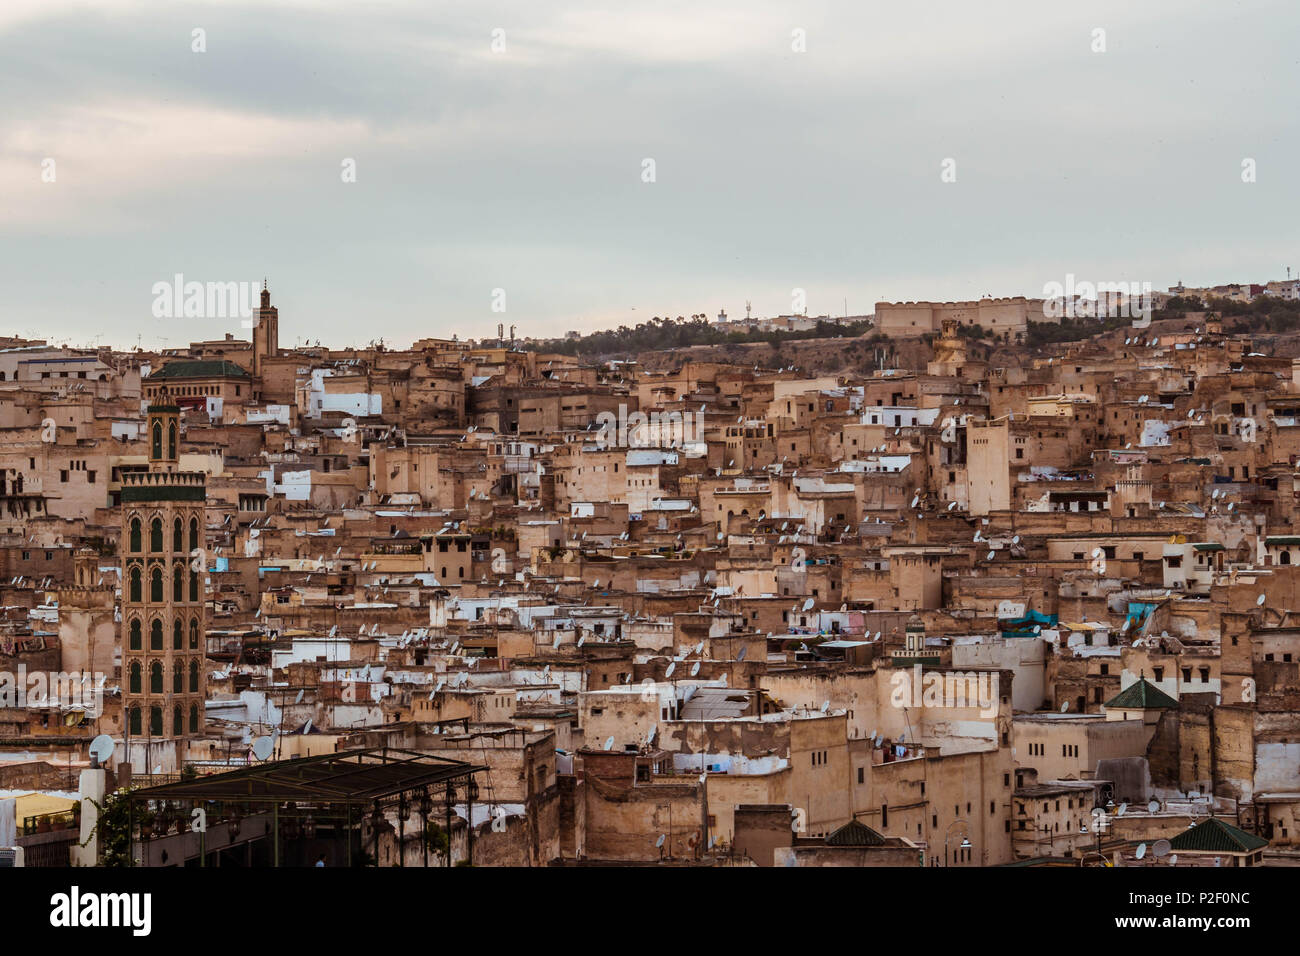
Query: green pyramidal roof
column 855, row 833
column 1142, row 695
column 1215, row 836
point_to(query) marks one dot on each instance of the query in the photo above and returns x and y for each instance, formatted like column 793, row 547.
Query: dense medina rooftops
column 381, row 577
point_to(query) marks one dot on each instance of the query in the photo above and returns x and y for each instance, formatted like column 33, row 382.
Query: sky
column 399, row 170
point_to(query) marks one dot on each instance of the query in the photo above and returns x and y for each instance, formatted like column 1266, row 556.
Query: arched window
column 155, row 536
column 194, row 534
column 194, row 675
column 178, row 722
column 178, row 636
column 194, row 718
column 1285, row 558
column 178, row 678
column 157, row 439
column 155, row 721
column 136, row 536
column 178, row 536
column 194, row 585
column 178, row 584
column 155, row 635
column 156, row 585
column 133, row 724
column 137, row 587
column 134, row 684
column 194, row 633
column 155, row 678
column 171, row 439
column 136, row 632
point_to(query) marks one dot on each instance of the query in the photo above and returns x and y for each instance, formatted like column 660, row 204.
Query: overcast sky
column 522, row 169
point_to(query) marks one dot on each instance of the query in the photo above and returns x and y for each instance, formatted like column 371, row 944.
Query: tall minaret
column 164, row 679
column 266, row 333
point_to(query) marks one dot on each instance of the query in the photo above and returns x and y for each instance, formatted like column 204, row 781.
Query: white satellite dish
column 1141, row 850
column 1122, row 808
column 660, row 842
column 991, row 555
column 740, row 654
column 1153, row 806
column 1065, row 706
column 609, row 742
column 807, row 605
column 672, row 666
column 695, row 668
column 263, row 747
column 1173, row 859
column 101, row 748
column 1260, row 600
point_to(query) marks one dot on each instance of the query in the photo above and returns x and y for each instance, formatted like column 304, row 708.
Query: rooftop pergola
column 331, row 789
column 352, row 777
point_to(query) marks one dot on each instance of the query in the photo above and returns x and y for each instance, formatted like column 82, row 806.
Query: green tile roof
column 855, row 833
column 199, row 369
column 1142, row 695
column 1215, row 836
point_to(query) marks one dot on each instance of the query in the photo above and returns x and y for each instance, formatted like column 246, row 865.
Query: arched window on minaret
column 178, row 536
column 194, row 718
column 136, row 632
column 157, row 440
column 171, row 439
column 136, row 536
column 133, row 724
column 156, row 585
column 155, row 721
column 136, row 587
column 178, row 584
column 155, row 678
column 194, row 534
column 156, row 536
column 155, row 635
column 178, row 723
column 194, row 675
column 178, row 678
column 194, row 633
column 134, row 684
column 178, row 636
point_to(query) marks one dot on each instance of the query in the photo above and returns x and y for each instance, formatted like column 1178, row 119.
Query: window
column 178, row 679
column 156, row 585
column 135, row 536
column 178, row 722
column 133, row 724
column 156, row 536
column 155, row 721
column 156, row 677
column 155, row 635
column 194, row 675
column 133, row 684
column 136, row 639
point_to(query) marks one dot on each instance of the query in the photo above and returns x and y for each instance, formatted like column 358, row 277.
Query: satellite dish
column 807, row 605
column 672, row 666
column 660, row 842
column 1160, row 848
column 991, row 555
column 262, row 747
column 1065, row 706
column 826, row 705
column 1122, row 808
column 1260, row 600
column 609, row 742
column 1141, row 850
column 298, row 699
column 101, row 748
column 740, row 654
column 1015, row 539
column 1173, row 859
column 695, row 668
column 1153, row 806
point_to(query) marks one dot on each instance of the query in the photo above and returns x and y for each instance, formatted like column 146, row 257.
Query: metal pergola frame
column 377, row 777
